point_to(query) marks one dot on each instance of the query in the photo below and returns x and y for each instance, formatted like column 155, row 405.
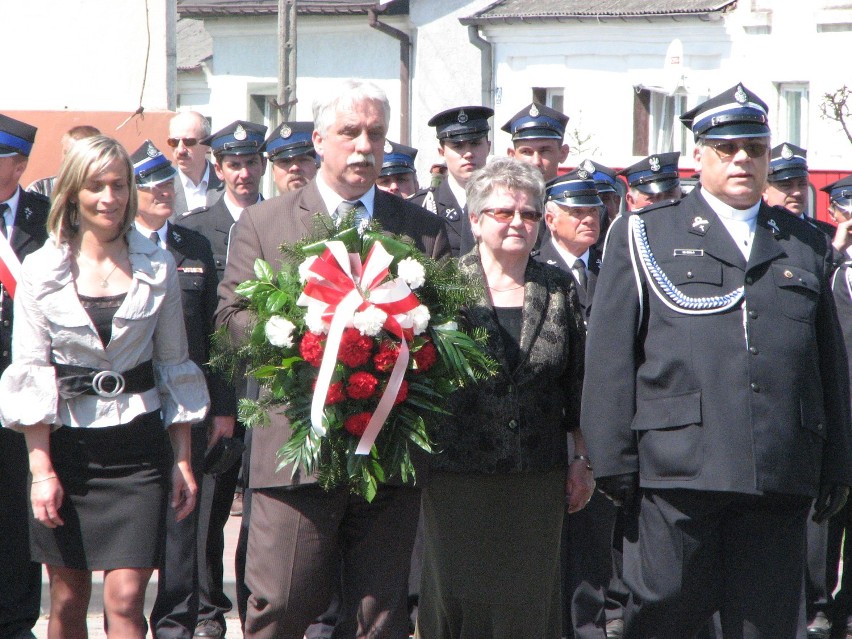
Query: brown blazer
column 259, row 233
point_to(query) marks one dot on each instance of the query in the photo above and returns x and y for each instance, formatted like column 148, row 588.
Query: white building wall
column 599, row 62
column 245, row 62
column 87, row 55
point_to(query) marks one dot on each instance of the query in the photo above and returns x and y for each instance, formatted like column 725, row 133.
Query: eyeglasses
column 173, row 142
column 725, row 149
column 507, row 215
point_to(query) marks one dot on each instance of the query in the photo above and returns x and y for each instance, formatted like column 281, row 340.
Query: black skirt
column 116, row 483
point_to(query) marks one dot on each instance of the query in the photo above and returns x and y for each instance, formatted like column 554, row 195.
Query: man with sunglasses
column 197, row 184
column 716, row 407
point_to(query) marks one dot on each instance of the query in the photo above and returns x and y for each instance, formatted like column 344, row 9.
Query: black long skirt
column 116, row 483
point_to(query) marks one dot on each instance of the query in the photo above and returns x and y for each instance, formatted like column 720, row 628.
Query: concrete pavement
column 96, row 618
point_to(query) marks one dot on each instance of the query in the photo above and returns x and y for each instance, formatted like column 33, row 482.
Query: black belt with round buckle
column 81, row 380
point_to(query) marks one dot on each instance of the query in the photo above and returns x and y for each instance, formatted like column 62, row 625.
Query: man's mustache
column 360, row 158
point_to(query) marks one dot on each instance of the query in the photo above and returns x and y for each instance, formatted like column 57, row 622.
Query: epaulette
column 200, row 209
column 657, row 205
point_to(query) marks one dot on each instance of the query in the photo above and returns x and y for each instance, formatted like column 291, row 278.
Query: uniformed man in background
column 716, row 405
column 23, row 217
column 239, row 163
column 463, row 143
column 652, row 179
column 398, row 175
column 291, row 152
column 538, row 134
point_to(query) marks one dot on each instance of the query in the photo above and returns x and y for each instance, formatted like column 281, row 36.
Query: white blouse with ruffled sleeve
column 51, row 326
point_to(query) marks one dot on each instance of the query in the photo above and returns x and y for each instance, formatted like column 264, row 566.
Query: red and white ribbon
column 340, row 285
column 10, row 266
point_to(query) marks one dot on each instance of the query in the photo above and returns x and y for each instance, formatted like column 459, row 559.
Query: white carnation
column 448, row 326
column 279, row 331
column 314, row 320
column 370, row 321
column 303, row 269
column 419, row 317
column 412, row 273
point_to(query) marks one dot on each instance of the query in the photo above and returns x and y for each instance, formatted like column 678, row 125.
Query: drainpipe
column 404, row 72
column 486, row 64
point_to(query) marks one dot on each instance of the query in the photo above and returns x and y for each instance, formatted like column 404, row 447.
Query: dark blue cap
column 150, row 166
column 290, row 140
column 735, row 113
column 840, row 192
column 787, row 161
column 398, row 159
column 238, row 138
column 604, row 177
column 537, row 121
column 574, row 189
column 462, row 123
column 655, row 174
column 16, row 137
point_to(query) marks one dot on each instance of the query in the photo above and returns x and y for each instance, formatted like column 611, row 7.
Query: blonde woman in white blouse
column 100, row 384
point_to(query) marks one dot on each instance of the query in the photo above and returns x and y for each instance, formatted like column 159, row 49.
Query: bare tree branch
column 835, row 106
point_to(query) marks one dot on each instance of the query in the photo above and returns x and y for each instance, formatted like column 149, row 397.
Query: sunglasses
column 173, row 142
column 507, row 215
column 728, row 148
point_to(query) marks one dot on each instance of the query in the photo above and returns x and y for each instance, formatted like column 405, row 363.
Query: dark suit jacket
column 516, row 421
column 261, row 230
column 751, row 399
column 213, row 222
column 549, row 255
column 197, row 275
column 29, row 234
column 214, row 192
column 448, row 209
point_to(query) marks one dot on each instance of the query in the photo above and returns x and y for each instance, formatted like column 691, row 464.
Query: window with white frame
column 656, row 122
column 792, row 125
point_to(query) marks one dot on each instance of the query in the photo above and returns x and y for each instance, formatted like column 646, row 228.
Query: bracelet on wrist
column 35, row 481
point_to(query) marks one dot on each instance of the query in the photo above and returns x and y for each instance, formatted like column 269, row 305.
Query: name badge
column 689, row 252
column 190, row 269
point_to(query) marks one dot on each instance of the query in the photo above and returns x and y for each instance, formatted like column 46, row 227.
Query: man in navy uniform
column 239, row 163
column 23, row 216
column 175, row 611
column 463, row 143
column 572, row 214
column 398, row 175
column 717, row 401
column 840, row 209
column 652, row 179
column 291, row 152
column 537, row 138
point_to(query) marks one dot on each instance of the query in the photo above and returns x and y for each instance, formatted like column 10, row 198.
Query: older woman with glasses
column 501, row 480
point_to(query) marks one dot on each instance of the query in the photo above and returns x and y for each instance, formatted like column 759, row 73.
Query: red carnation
column 335, row 393
column 355, row 349
column 357, row 424
column 385, row 359
column 361, row 385
column 425, row 357
column 402, row 395
column 311, row 348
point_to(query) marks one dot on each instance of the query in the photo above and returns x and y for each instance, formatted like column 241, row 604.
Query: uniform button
column 5, row 353
column 753, row 350
column 819, row 426
column 513, row 424
column 749, row 280
column 755, row 387
column 752, row 314
column 6, row 323
column 689, row 274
